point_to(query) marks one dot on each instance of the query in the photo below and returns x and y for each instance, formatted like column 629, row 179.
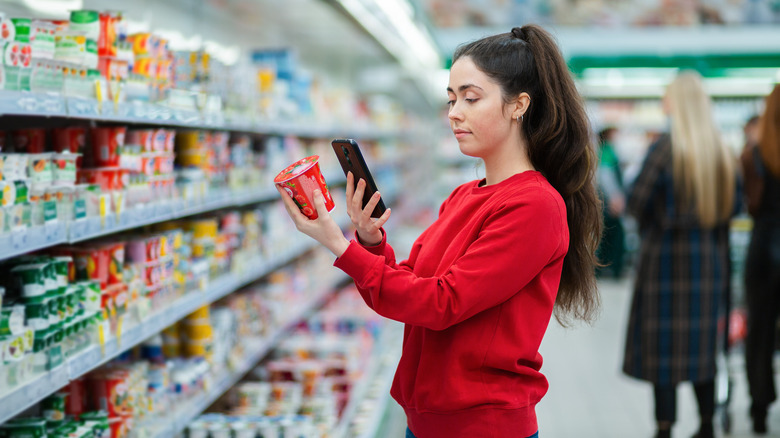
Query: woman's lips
column 460, row 133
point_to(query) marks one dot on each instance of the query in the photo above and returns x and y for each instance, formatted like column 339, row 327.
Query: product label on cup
column 79, row 209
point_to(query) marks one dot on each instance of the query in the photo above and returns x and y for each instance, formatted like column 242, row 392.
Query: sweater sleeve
column 513, row 246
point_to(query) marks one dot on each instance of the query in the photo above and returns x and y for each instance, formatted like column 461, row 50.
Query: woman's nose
column 454, row 113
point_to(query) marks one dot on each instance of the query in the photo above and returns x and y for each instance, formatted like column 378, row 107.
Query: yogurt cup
column 40, row 168
column 107, row 142
column 30, row 279
column 15, row 166
column 31, row 141
column 300, row 179
column 69, row 139
column 64, row 168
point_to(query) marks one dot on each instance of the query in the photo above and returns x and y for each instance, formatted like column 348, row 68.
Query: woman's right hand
column 368, row 229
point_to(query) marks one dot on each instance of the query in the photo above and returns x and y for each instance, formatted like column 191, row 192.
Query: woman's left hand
column 323, row 229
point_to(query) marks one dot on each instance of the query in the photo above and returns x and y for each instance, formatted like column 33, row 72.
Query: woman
column 761, row 168
column 611, row 249
column 683, row 199
column 480, row 284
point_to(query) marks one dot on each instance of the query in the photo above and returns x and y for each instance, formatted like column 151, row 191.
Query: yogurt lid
column 296, row 168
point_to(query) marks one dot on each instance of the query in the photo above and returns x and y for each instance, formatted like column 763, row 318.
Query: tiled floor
column 589, row 396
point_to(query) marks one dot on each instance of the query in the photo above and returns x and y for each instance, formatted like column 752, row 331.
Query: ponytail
column 560, row 146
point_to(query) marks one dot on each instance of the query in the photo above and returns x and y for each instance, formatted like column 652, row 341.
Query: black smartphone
column 351, row 160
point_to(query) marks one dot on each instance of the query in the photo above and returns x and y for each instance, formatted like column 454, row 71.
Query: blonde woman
column 761, row 167
column 682, row 199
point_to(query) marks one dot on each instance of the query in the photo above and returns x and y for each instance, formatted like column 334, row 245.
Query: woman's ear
column 521, row 105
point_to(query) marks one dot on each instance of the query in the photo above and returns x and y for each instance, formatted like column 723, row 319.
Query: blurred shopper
column 683, row 199
column 505, row 254
column 611, row 250
column 761, row 168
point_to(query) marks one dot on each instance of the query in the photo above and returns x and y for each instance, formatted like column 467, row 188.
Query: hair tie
column 518, row 33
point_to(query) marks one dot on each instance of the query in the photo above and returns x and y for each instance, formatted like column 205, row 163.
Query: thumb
column 319, row 204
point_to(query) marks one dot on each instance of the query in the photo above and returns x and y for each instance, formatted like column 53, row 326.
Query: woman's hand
column 368, row 229
column 323, row 229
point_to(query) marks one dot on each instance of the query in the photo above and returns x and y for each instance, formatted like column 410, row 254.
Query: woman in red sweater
column 481, row 283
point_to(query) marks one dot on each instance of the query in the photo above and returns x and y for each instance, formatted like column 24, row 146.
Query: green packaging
column 24, row 428
column 30, row 279
column 86, row 22
column 22, row 26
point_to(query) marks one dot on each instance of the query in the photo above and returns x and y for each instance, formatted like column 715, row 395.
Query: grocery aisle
column 590, row 397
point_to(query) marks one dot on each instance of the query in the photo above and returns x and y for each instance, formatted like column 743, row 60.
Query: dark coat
column 682, row 278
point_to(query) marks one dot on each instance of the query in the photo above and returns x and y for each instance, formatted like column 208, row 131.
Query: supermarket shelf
column 383, row 383
column 33, row 239
column 257, row 350
column 40, row 237
column 165, row 211
column 57, row 233
column 25, row 103
column 376, row 369
column 24, row 396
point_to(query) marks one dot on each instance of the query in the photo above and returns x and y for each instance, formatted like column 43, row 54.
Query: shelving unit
column 256, row 350
column 44, row 236
column 25, row 103
column 26, row 395
column 373, row 392
column 138, row 323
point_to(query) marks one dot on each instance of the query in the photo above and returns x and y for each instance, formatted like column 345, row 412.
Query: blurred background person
column 682, row 199
column 760, row 162
column 611, row 251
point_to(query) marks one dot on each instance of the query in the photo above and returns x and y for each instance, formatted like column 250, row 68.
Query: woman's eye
column 470, row 100
column 450, row 102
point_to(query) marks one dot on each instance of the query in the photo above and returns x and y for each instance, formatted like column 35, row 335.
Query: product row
column 94, row 55
column 76, row 172
column 304, row 385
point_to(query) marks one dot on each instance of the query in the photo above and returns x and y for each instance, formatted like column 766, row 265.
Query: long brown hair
column 560, row 146
column 769, row 132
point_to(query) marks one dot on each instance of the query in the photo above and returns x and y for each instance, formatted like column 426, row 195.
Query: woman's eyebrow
column 464, row 87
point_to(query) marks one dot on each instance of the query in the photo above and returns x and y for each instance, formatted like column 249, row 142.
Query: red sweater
column 476, row 295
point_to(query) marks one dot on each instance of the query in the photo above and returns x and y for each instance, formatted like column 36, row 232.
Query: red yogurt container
column 141, row 137
column 30, row 141
column 69, row 139
column 300, row 179
column 107, row 142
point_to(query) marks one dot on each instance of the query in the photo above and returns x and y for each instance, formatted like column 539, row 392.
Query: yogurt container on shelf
column 107, row 143
column 141, row 137
column 14, row 166
column 69, row 139
column 36, row 312
column 30, row 141
column 39, row 168
column 12, row 320
column 108, row 178
column 30, row 279
column 65, row 197
column 86, row 22
column 24, row 428
column 7, row 193
column 64, row 168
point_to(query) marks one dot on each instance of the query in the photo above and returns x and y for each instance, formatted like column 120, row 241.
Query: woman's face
column 478, row 117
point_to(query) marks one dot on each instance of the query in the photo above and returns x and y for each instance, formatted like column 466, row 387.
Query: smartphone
column 351, row 160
